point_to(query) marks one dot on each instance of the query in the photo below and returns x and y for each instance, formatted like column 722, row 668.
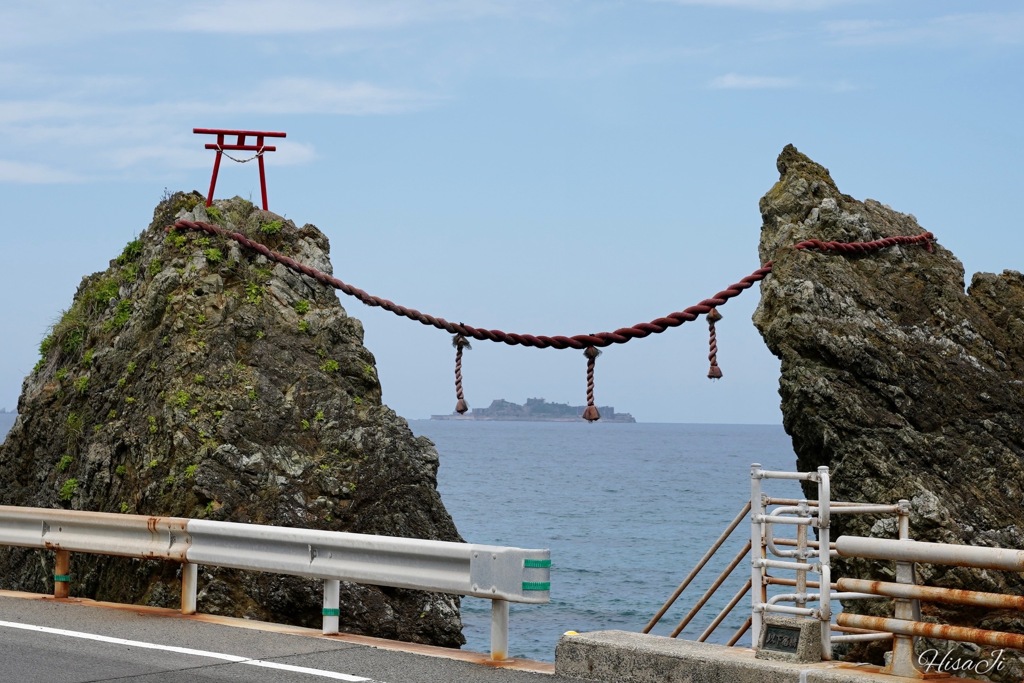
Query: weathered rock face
column 898, row 380
column 195, row 379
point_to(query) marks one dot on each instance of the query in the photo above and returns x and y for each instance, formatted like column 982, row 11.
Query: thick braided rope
column 590, row 413
column 714, row 372
column 460, row 343
column 588, row 342
column 578, row 341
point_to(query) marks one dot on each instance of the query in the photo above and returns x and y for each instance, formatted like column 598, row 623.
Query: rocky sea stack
column 194, row 378
column 905, row 385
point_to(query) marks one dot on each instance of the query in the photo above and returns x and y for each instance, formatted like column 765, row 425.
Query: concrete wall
column 621, row 657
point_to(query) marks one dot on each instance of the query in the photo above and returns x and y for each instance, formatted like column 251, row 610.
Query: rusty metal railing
column 804, row 555
column 906, row 623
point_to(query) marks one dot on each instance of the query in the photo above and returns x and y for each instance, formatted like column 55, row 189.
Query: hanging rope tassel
column 713, row 317
column 460, row 343
column 590, row 413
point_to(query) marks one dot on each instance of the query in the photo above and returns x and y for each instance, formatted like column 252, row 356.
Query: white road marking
column 322, row 673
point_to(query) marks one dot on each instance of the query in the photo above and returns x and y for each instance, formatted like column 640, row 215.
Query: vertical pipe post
column 903, row 512
column 189, row 583
column 801, row 555
column 757, row 587
column 499, row 630
column 216, row 169
column 902, row 662
column 332, row 605
column 62, row 574
column 825, row 562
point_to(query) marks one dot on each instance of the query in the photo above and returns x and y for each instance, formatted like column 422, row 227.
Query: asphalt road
column 49, row 641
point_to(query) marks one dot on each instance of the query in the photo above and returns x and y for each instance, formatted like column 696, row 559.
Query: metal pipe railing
column 696, row 570
column 768, row 500
column 792, row 542
column 710, row 591
column 933, row 553
column 725, row 612
column 950, row 596
column 824, row 559
column 739, row 632
column 928, row 630
column 906, row 623
column 782, row 581
column 801, row 555
column 759, row 590
column 860, row 637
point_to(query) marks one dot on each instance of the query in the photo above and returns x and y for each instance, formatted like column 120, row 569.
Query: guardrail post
column 801, row 555
column 757, row 552
column 62, row 574
column 189, row 584
column 499, row 630
column 332, row 605
column 902, row 663
column 825, row 561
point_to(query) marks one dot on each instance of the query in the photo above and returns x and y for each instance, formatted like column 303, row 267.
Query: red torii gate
column 239, row 145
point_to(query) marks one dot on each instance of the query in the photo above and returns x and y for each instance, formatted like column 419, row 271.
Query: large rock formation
column 195, row 379
column 898, row 380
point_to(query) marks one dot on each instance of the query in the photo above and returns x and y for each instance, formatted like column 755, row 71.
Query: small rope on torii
column 257, row 155
column 589, row 343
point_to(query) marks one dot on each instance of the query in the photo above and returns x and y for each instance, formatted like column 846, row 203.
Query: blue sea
column 626, row 510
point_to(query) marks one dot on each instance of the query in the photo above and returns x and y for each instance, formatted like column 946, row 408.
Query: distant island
column 535, row 410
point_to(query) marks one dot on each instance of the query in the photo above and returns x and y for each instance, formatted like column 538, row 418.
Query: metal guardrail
column 907, row 623
column 809, row 555
column 801, row 555
column 500, row 574
column 760, row 537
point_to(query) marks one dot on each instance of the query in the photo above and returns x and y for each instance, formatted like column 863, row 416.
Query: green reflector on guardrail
column 536, row 564
column 62, row 578
column 332, row 612
column 536, row 585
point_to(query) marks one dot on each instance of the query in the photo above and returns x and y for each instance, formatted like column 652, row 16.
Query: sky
column 536, row 166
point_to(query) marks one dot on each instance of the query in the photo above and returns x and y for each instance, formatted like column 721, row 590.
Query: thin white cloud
column 982, row 28
column 843, row 86
column 297, row 16
column 156, row 155
column 294, row 154
column 66, row 22
column 274, row 17
column 101, row 135
column 20, row 172
column 295, row 95
column 312, row 96
column 734, row 81
column 765, row 5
